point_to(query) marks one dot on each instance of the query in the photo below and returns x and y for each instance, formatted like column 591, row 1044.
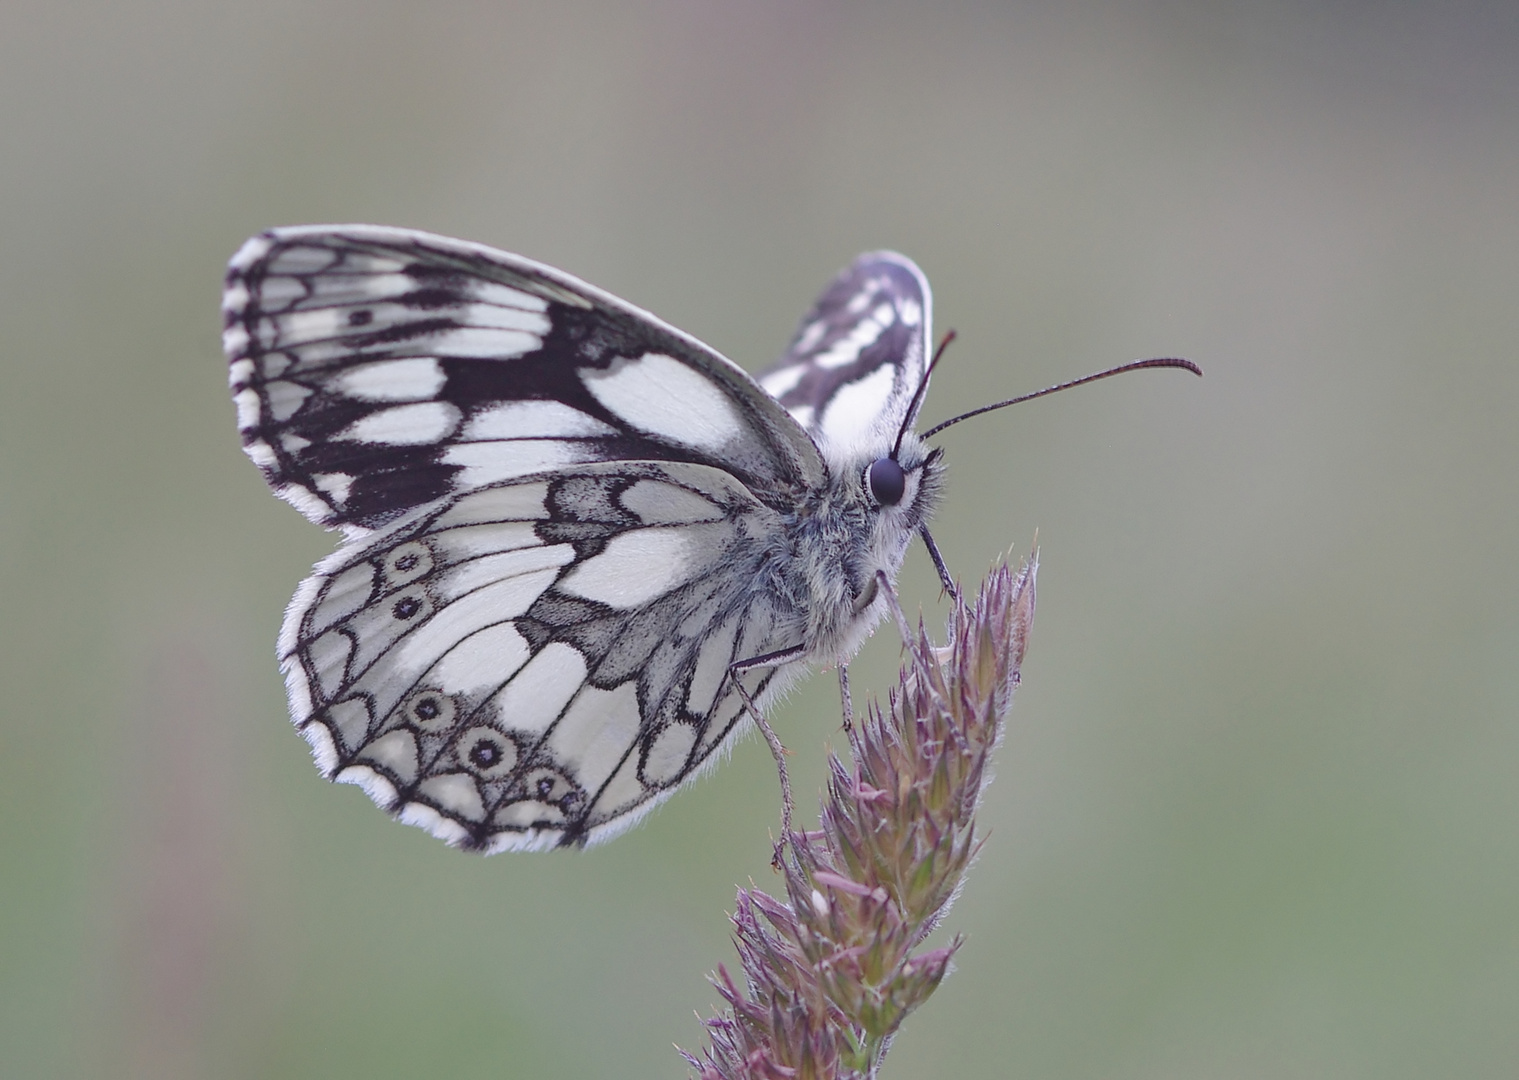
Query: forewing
column 859, row 355
column 539, row 661
column 376, row 370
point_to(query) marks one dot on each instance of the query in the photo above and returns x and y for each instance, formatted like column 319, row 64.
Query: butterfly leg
column 737, row 668
column 903, row 626
column 933, row 553
column 844, row 696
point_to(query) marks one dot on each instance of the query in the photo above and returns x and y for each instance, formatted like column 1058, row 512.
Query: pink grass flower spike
column 830, row 971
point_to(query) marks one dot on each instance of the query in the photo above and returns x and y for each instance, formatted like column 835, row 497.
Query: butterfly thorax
column 842, row 539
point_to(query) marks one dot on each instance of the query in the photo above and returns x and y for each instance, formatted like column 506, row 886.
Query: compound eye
column 887, row 481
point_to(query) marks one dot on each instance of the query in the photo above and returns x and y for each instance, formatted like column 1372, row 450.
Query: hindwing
column 539, row 661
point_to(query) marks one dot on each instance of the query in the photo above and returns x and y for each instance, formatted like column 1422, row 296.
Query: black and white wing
column 563, row 521
column 859, row 355
column 537, row 662
column 376, row 370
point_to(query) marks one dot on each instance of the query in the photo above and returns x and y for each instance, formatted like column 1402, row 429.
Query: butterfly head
column 895, row 493
column 902, row 486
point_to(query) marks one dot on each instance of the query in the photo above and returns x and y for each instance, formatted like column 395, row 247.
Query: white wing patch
column 484, row 659
column 668, row 754
column 656, row 503
column 860, row 409
column 597, row 731
column 405, row 425
column 668, row 399
column 418, row 378
column 534, row 420
column 535, row 698
column 487, row 463
column 509, row 503
column 638, row 566
column 782, row 381
column 712, row 661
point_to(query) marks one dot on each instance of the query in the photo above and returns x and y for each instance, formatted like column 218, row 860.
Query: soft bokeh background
column 1258, row 814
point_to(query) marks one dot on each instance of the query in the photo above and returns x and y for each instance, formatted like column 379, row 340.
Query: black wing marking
column 859, row 355
column 376, row 370
column 539, row 662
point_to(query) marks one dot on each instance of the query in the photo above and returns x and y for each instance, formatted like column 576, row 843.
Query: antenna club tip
column 1172, row 362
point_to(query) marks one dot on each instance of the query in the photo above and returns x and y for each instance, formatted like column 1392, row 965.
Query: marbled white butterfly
column 575, row 538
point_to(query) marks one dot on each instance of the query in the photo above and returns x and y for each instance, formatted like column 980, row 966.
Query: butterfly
column 578, row 544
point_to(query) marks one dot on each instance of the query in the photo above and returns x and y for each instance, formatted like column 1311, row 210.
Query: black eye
column 887, row 481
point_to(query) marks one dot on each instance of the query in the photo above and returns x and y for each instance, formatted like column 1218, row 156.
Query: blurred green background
column 1258, row 811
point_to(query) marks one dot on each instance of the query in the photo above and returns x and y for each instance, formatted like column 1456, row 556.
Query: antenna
column 1137, row 365
column 917, row 396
